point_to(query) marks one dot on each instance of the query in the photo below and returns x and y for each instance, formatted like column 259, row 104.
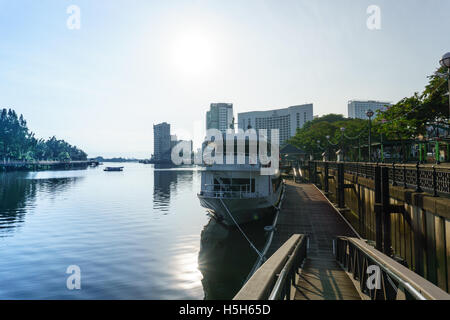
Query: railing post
column 378, row 217
column 340, row 185
column 418, row 188
column 315, row 173
column 386, row 216
column 325, row 179
column 309, row 171
column 404, row 177
column 394, row 183
column 435, row 194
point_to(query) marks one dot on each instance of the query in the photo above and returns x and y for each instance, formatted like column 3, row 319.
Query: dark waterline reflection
column 134, row 234
column 17, row 194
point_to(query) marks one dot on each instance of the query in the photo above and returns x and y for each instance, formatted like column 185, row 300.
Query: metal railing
column 421, row 178
column 274, row 279
column 380, row 277
column 238, row 191
column 286, row 278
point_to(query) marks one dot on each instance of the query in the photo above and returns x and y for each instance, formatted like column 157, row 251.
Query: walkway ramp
column 307, row 211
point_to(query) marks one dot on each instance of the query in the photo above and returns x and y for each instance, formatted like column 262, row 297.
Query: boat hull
column 243, row 210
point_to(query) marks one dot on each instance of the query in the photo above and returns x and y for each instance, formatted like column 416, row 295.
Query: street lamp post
column 445, row 62
column 370, row 114
column 436, row 144
column 359, row 149
column 342, row 143
column 329, row 147
column 321, row 149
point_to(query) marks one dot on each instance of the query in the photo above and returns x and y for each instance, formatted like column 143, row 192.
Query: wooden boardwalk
column 306, row 211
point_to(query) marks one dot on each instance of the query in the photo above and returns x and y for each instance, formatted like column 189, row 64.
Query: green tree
column 63, row 156
column 18, row 143
column 312, row 138
column 412, row 115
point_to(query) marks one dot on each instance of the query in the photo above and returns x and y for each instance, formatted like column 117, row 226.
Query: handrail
column 395, row 282
column 286, row 275
column 229, row 194
column 227, row 187
column 273, row 279
column 434, row 179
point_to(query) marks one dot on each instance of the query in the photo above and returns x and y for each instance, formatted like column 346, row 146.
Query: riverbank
column 45, row 165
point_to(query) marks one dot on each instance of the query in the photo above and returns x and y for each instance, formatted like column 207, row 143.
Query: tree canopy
column 19, row 143
column 411, row 116
column 312, row 138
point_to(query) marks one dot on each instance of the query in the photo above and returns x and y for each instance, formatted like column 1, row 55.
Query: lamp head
column 445, row 61
column 370, row 113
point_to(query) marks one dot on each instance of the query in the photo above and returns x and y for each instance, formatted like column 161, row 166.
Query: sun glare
column 193, row 53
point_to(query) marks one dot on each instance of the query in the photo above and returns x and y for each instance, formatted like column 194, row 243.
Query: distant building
column 162, row 142
column 220, row 116
column 287, row 120
column 357, row 108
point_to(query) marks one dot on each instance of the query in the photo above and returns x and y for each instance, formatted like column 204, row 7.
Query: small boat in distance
column 113, row 169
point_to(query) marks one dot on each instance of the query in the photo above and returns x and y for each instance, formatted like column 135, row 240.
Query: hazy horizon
column 135, row 64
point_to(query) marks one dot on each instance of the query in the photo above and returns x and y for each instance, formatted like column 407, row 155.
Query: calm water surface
column 136, row 234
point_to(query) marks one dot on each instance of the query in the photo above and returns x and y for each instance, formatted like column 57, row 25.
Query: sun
column 193, row 53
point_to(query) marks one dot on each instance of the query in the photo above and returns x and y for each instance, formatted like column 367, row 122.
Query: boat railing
column 229, row 191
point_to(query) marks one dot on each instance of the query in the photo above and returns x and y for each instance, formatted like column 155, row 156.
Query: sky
column 135, row 63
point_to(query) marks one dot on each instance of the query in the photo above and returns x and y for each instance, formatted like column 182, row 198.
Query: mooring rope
column 242, row 231
column 269, row 240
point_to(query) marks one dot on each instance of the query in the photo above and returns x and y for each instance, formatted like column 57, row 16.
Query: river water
column 136, row 234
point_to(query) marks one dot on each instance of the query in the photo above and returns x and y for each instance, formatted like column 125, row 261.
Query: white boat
column 238, row 193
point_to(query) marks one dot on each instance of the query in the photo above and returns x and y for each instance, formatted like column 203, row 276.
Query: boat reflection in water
column 226, row 258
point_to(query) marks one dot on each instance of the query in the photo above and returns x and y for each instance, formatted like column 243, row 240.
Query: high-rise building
column 286, row 120
column 162, row 142
column 220, row 116
column 357, row 108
